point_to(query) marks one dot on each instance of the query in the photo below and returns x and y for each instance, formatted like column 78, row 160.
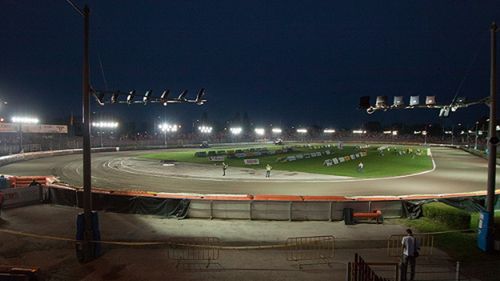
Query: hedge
column 451, row 216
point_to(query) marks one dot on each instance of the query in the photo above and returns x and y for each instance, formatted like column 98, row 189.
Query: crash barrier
column 8, row 159
column 395, row 248
column 311, row 250
column 359, row 270
column 221, row 206
column 17, row 197
column 8, row 272
column 288, row 208
column 194, row 253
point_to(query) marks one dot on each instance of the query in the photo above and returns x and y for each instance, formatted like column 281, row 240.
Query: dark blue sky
column 281, row 61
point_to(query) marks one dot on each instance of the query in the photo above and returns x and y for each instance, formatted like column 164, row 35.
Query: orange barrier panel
column 326, row 198
column 377, row 198
column 277, row 198
column 249, row 197
column 24, row 181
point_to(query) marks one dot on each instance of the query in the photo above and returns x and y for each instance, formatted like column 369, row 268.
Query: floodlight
column 381, row 102
column 168, row 128
column 414, row 100
column 461, row 100
column 430, row 100
column 182, row 96
column 114, row 97
column 205, row 129
column 398, row 101
column 25, row 120
column 105, row 124
column 235, row 130
column 387, row 132
column 100, row 98
column 276, row 131
column 260, row 131
column 130, row 97
column 364, row 102
column 328, row 131
column 302, row 131
column 444, row 112
column 164, row 97
column 359, row 132
column 147, row 97
column 394, row 133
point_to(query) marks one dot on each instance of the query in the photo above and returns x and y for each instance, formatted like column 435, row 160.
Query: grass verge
column 390, row 163
column 461, row 246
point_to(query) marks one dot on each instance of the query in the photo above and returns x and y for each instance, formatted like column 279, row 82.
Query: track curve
column 456, row 172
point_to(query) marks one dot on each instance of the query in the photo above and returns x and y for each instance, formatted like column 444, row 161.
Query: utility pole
column 492, row 142
column 87, row 192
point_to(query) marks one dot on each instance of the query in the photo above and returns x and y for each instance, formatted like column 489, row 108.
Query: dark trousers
column 405, row 260
column 268, row 174
column 223, row 172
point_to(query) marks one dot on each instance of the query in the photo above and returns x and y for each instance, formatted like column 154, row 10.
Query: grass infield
column 393, row 162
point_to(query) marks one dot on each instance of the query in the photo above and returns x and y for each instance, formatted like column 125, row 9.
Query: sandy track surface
column 456, row 171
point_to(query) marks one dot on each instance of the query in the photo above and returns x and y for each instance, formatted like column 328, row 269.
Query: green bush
column 451, row 216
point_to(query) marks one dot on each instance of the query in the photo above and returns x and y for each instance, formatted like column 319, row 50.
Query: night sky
column 282, row 62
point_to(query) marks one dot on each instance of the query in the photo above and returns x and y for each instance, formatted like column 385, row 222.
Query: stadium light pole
column 20, row 121
column 102, row 126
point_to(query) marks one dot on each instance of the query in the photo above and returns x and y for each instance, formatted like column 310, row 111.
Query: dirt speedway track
column 455, row 171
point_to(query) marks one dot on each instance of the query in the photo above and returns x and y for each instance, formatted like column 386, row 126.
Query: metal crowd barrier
column 194, row 253
column 311, row 250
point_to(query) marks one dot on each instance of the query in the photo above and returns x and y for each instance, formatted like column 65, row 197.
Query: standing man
column 410, row 254
column 268, row 171
column 224, row 168
column 361, row 167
